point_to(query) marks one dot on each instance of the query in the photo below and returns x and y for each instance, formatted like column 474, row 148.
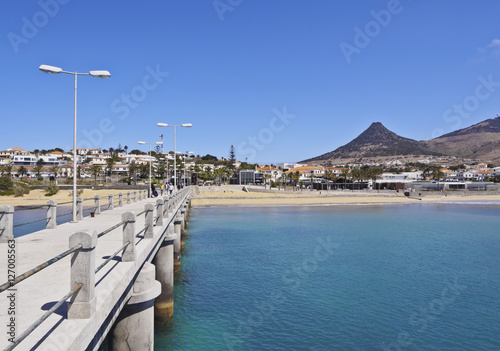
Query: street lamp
column 97, row 74
column 186, row 155
column 150, row 162
column 184, row 125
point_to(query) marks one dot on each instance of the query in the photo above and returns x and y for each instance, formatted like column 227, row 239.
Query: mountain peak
column 376, row 140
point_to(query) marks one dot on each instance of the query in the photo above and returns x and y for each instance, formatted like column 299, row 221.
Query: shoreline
column 252, row 199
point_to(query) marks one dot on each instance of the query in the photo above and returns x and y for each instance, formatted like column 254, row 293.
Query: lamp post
column 186, row 155
column 97, row 74
column 184, row 125
column 150, row 161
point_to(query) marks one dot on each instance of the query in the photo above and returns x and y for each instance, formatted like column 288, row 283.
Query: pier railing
column 7, row 212
column 82, row 247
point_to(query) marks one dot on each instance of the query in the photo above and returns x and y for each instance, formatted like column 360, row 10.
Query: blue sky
column 281, row 80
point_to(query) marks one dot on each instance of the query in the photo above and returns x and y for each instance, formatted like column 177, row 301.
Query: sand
column 37, row 197
column 240, row 198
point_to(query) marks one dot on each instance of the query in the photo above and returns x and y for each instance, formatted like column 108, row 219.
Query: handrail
column 111, row 257
column 110, row 229
column 38, row 220
column 40, row 320
column 29, row 207
column 38, row 268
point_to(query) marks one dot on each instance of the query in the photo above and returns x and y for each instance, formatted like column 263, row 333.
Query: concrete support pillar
column 128, row 197
column 120, row 199
column 51, row 214
column 134, row 328
column 159, row 212
column 177, row 244
column 164, row 262
column 79, row 208
column 6, row 223
column 140, row 195
column 128, row 253
column 135, row 195
column 97, row 204
column 145, row 194
column 110, row 202
column 82, row 304
column 148, row 223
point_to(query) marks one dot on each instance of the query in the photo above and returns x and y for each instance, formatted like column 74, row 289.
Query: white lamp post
column 186, row 155
column 184, row 125
column 150, row 162
column 97, row 74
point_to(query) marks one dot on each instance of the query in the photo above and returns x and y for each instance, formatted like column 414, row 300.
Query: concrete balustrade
column 120, row 199
column 82, row 304
column 128, row 253
column 128, row 197
column 6, row 223
column 135, row 195
column 111, row 204
column 140, row 195
column 97, row 204
column 51, row 214
column 159, row 212
column 149, row 222
column 79, row 208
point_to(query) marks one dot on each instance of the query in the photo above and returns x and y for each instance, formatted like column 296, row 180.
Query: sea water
column 349, row 277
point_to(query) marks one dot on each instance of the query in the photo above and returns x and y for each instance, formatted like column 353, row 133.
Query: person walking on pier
column 171, row 188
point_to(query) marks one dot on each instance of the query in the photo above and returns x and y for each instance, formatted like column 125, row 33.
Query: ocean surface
column 350, row 277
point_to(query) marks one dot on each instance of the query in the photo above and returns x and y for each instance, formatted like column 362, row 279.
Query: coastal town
column 119, row 165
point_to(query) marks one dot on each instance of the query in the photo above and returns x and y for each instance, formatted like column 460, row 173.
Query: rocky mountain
column 480, row 141
column 375, row 142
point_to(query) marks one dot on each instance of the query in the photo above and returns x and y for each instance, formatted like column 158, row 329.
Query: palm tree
column 344, row 173
column 55, row 170
column 125, row 148
column 133, row 167
column 22, row 171
column 110, row 162
column 37, row 169
column 95, row 170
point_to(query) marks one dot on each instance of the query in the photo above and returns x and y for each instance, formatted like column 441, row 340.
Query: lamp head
column 50, row 69
column 141, row 142
column 159, row 143
column 100, row 74
column 162, row 124
column 186, row 125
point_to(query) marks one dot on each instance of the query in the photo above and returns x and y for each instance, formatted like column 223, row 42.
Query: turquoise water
column 393, row 277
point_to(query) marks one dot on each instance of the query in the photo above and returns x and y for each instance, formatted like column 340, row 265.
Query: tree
column 209, row 157
column 344, row 173
column 37, row 169
column 232, row 157
column 6, row 170
column 125, row 148
column 95, row 170
column 133, row 167
column 55, row 170
column 21, row 171
column 110, row 162
column 40, row 162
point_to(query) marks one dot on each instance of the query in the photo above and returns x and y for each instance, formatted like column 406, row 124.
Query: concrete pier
column 164, row 262
column 177, row 243
column 95, row 310
column 134, row 328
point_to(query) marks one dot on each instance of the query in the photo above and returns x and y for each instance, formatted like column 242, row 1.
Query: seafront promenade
column 134, row 233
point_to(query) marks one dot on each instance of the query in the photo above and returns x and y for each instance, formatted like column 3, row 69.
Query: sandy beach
column 217, row 197
column 37, row 197
column 241, row 198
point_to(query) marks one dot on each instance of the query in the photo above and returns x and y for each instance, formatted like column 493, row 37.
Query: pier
column 107, row 275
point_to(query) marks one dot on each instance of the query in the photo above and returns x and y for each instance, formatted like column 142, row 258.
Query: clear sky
column 281, row 80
